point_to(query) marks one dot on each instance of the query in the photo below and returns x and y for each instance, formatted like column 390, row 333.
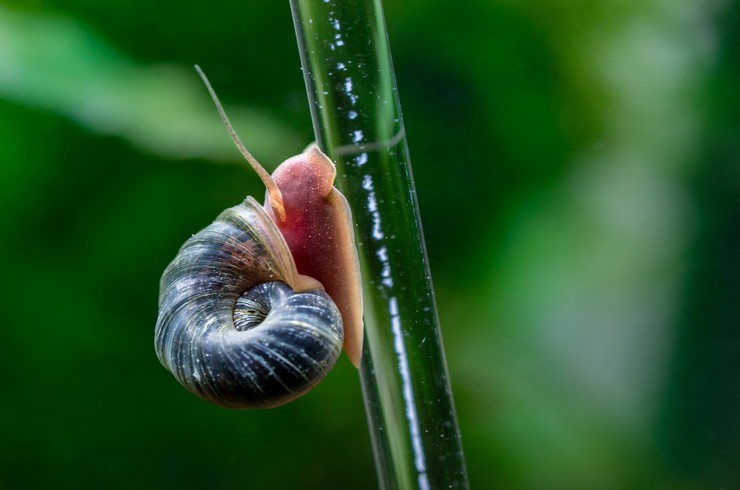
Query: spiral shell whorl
column 223, row 272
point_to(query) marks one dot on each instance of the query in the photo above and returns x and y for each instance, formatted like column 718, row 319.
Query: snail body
column 255, row 309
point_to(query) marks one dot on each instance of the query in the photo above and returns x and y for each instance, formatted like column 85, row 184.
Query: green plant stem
column 357, row 119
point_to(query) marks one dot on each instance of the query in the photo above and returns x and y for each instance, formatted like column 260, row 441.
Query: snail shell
column 255, row 309
column 228, row 331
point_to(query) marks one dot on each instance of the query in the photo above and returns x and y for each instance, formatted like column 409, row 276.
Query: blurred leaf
column 60, row 65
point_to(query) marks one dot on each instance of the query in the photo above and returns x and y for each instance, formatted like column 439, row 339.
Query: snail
column 256, row 308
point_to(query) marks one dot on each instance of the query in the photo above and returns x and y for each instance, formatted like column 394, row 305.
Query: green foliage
column 576, row 169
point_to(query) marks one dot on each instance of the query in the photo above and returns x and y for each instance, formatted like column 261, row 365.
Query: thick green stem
column 357, row 119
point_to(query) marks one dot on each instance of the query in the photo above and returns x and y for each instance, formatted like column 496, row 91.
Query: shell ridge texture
column 297, row 338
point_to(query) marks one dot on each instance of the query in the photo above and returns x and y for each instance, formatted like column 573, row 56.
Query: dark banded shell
column 231, row 329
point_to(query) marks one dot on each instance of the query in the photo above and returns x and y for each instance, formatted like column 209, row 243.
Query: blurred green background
column 577, row 168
